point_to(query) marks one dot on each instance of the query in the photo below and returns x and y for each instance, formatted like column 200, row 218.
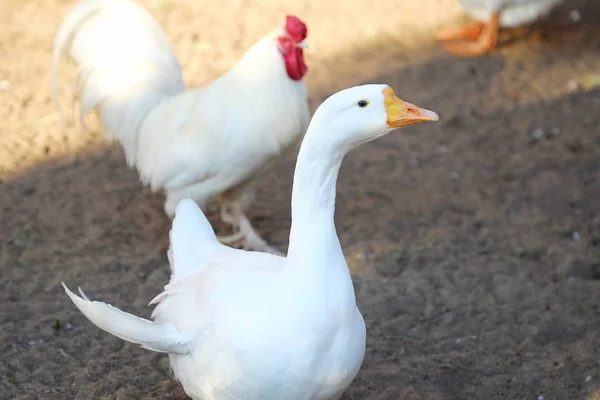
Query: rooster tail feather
column 126, row 65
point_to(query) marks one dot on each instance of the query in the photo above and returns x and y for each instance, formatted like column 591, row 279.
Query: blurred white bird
column 480, row 37
column 256, row 326
column 205, row 144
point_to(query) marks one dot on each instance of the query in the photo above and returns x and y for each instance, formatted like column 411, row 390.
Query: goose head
column 361, row 114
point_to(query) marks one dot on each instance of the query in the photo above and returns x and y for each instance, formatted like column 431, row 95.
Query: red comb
column 295, row 28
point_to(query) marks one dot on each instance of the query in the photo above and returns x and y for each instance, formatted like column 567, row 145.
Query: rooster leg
column 252, row 240
column 485, row 43
column 228, row 216
column 233, row 203
column 246, row 236
column 233, row 240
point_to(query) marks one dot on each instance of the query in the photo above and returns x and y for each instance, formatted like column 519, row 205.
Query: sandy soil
column 474, row 243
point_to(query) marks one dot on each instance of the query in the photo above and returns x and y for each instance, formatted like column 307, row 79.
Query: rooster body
column 207, row 144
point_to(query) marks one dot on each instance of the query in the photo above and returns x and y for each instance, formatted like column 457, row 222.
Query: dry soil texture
column 474, row 242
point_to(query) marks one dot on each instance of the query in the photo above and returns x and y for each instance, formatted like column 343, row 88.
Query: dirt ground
column 474, row 243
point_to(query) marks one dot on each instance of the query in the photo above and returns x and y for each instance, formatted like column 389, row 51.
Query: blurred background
column 474, row 242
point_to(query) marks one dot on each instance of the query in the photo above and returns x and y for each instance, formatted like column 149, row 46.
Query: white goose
column 252, row 325
column 480, row 37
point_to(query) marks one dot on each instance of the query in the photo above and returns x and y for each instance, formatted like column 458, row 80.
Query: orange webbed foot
column 484, row 42
column 471, row 32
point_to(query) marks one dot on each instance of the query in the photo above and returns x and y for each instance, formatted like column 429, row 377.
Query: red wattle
column 293, row 58
column 294, row 64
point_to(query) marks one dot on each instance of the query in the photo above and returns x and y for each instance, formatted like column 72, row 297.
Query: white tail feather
column 155, row 336
column 126, row 65
column 190, row 234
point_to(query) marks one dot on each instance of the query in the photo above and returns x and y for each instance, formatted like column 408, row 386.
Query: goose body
column 513, row 13
column 253, row 325
column 481, row 36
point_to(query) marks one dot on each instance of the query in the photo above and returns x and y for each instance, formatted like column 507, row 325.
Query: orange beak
column 402, row 113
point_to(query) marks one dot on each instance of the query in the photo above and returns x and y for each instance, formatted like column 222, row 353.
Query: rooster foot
column 253, row 241
column 244, row 234
column 232, row 240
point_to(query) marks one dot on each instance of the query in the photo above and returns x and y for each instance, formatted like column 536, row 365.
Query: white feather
column 155, row 336
column 191, row 233
column 260, row 326
column 513, row 13
column 126, row 65
column 196, row 143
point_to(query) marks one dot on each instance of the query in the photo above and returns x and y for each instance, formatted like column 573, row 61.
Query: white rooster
column 206, row 144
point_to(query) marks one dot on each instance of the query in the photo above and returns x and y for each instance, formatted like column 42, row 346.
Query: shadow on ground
column 474, row 242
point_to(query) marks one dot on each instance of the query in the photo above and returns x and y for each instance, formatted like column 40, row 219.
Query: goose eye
column 363, row 103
